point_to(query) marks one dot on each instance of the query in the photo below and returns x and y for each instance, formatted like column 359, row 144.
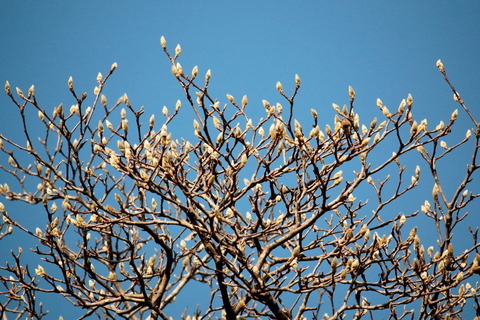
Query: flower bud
column 163, row 42
column 297, row 81
column 351, row 92
column 440, row 65
column 70, row 82
column 7, row 87
column 178, row 50
column 244, row 101
column 113, row 67
column 279, row 87
column 194, row 72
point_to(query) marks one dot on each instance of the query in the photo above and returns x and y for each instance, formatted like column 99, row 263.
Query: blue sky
column 383, row 49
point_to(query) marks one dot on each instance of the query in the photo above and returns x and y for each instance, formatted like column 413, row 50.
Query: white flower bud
column 163, row 42
column 440, row 65
column 279, row 87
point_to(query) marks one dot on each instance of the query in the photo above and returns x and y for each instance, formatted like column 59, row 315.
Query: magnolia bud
column 244, row 101
column 279, row 87
column 163, row 42
column 351, row 92
column 70, row 82
column 113, row 67
column 440, row 65
column 165, row 111
column 178, row 49
column 7, row 87
column 297, row 81
column 194, row 72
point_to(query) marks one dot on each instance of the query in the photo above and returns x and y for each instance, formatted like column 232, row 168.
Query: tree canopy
column 268, row 219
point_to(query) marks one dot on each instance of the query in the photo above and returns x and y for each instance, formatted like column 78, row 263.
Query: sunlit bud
column 402, row 219
column 266, row 104
column 178, row 49
column 440, row 65
column 373, row 124
column 355, row 263
column 409, row 100
column 244, row 101
column 278, row 107
column 440, row 126
column 334, row 263
column 414, row 128
column 91, row 283
column 113, row 67
column 468, row 134
column 39, row 271
column 109, row 125
column 248, row 215
column 459, row 277
column 2, row 208
column 74, row 109
column 279, row 87
column 125, row 124
column 165, row 111
column 194, row 72
column 454, row 115
column 230, row 98
column 328, row 130
column 53, row 208
column 417, row 171
column 38, row 232
column 55, row 222
column 401, row 107
column 229, row 213
column 456, row 96
column 163, row 42
column 175, row 71
column 314, row 113
column 19, row 92
column 243, row 159
column 365, row 142
column 1, row 144
column 297, row 81
column 112, row 275
column 385, row 111
column 464, row 193
column 70, row 82
column 11, row 161
column 103, row 99
column 351, row 92
column 379, row 103
column 336, row 107
column 443, row 144
column 7, row 87
column 152, row 121
column 123, row 113
column 208, row 75
column 96, row 90
column 31, row 91
column 179, row 68
column 249, row 124
column 337, row 174
column 337, row 181
column 99, row 77
column 261, row 132
column 272, row 132
column 435, row 190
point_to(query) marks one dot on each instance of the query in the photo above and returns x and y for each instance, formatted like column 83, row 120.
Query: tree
column 274, row 219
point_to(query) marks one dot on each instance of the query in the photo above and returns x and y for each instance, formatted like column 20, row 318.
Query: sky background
column 382, row 49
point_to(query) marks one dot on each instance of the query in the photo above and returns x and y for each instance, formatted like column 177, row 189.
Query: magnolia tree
column 268, row 218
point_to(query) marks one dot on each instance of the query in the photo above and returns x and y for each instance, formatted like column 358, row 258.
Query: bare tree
column 274, row 219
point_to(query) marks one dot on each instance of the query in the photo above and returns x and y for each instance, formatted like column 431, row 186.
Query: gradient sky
column 383, row 49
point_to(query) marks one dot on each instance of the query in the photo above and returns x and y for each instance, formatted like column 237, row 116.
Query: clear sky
column 384, row 49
